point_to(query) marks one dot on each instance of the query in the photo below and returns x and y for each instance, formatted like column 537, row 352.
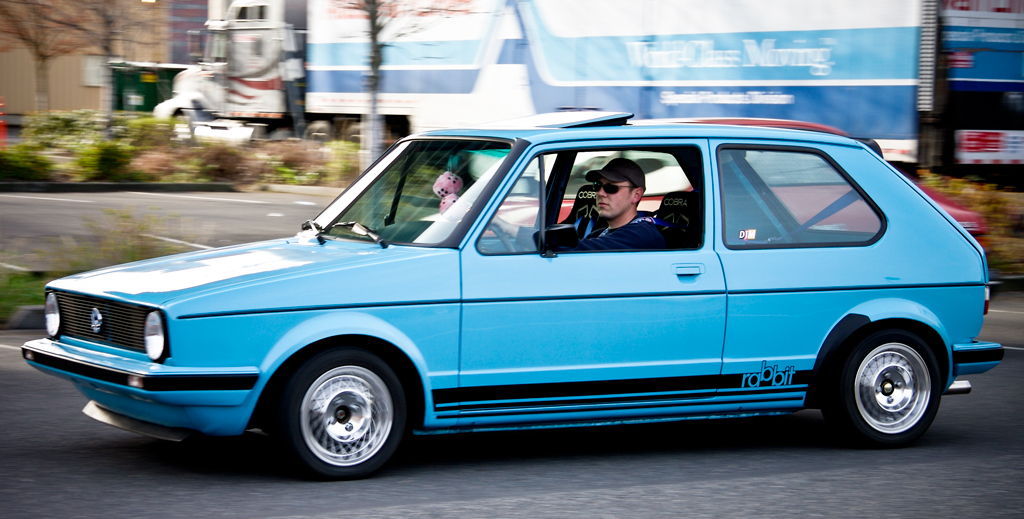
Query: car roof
column 572, row 126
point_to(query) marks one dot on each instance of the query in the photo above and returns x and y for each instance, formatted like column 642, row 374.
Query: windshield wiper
column 363, row 230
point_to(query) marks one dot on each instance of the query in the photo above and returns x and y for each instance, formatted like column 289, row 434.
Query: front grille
column 123, row 324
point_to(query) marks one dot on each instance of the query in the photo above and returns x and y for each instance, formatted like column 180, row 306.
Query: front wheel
column 888, row 391
column 342, row 413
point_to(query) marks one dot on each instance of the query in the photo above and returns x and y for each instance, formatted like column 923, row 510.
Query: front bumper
column 216, row 401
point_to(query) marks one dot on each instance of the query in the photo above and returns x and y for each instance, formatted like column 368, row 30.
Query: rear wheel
column 888, row 391
column 342, row 413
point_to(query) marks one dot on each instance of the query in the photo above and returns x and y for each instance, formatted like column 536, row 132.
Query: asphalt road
column 33, row 225
column 56, row 462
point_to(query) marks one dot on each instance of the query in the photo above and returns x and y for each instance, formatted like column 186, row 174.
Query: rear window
column 791, row 198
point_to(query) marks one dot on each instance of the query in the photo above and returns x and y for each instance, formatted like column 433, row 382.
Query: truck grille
column 122, row 323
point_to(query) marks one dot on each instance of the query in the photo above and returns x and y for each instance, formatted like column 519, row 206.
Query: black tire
column 888, row 391
column 342, row 414
column 319, row 131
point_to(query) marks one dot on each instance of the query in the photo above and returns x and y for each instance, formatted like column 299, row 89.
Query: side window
column 671, row 195
column 662, row 173
column 512, row 228
column 670, row 200
column 790, row 198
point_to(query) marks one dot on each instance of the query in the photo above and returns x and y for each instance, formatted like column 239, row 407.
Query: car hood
column 275, row 276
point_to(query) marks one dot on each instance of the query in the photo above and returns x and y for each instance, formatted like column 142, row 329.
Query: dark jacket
column 640, row 234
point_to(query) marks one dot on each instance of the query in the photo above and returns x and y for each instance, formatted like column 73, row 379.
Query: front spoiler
column 98, row 413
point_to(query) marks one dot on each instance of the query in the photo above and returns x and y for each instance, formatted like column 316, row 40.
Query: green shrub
column 107, row 161
column 23, row 162
column 149, row 132
column 72, row 129
column 343, row 163
column 62, row 129
column 220, row 161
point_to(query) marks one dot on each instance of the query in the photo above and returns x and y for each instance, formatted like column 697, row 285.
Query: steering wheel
column 503, row 237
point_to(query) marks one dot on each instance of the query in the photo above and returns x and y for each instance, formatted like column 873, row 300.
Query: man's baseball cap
column 618, row 170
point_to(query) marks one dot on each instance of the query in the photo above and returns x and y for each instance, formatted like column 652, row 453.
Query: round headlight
column 52, row 315
column 154, row 334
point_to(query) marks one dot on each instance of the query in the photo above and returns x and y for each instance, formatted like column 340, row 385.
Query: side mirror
column 559, row 235
column 195, row 45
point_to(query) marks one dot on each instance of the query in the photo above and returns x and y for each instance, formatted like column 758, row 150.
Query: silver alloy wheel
column 346, row 415
column 893, row 388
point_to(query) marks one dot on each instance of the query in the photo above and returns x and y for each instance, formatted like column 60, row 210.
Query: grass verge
column 20, row 289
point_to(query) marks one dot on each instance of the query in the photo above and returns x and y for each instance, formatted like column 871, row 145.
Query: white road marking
column 179, row 242
column 275, row 214
column 1012, row 348
column 212, row 199
column 11, row 347
column 47, row 198
column 14, row 267
column 303, row 202
column 1004, row 312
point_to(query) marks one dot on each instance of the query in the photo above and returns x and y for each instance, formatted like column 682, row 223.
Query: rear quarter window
column 782, row 197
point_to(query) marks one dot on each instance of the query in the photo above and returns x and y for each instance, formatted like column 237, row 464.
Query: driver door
column 583, row 334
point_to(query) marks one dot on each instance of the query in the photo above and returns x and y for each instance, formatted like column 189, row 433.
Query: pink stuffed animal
column 447, row 187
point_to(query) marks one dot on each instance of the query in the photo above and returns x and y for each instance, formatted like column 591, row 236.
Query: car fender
column 861, row 316
column 898, row 308
column 331, row 325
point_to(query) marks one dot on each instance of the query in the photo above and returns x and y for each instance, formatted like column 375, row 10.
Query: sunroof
column 563, row 120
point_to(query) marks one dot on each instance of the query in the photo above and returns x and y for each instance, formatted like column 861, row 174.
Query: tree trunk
column 376, row 58
column 42, row 83
column 107, row 96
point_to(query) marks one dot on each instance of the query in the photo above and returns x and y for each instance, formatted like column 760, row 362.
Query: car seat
column 584, row 214
column 681, row 211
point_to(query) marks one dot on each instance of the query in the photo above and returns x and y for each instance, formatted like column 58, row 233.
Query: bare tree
column 28, row 23
column 113, row 26
column 400, row 18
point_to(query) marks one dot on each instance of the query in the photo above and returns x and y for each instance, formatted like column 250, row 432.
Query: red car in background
column 972, row 221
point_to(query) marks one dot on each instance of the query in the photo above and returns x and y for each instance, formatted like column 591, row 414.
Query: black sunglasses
column 611, row 189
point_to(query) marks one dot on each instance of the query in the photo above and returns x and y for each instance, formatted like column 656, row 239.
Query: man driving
column 620, row 186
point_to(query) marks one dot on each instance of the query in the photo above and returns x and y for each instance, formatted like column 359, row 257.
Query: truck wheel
column 888, row 391
column 319, row 131
column 342, row 414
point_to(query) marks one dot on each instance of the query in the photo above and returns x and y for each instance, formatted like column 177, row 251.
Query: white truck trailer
column 867, row 67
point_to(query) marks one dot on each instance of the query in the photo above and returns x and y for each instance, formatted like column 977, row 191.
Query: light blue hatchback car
column 800, row 271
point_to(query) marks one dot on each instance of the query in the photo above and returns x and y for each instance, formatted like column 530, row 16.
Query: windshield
column 424, row 193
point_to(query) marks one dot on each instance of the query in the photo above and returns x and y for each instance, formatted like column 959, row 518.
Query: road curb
column 103, row 187
column 300, row 190
column 31, row 317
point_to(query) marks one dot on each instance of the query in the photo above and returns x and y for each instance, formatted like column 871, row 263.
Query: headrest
column 585, row 205
column 678, row 207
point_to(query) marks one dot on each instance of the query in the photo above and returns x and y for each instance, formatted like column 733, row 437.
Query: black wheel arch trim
column 854, row 327
column 397, row 359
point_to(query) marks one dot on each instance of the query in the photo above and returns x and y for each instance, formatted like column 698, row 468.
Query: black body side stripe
column 636, row 388
column 546, row 410
column 987, row 355
column 680, row 397
column 226, row 382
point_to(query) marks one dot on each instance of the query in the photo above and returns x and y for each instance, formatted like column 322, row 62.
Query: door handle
column 689, row 269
